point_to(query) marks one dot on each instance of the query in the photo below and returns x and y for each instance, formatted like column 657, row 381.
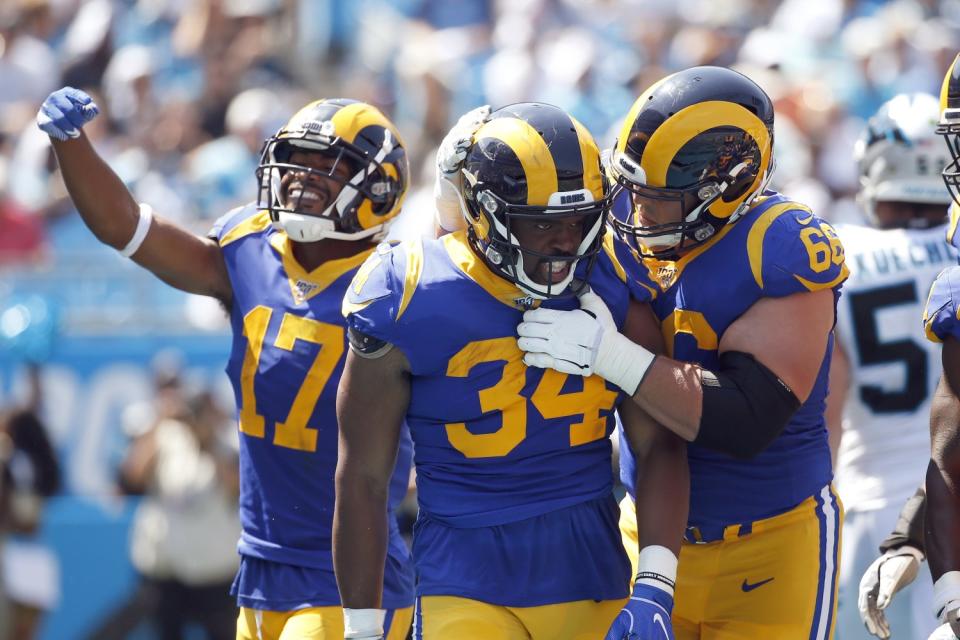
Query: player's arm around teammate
column 178, row 257
column 769, row 360
column 662, row 485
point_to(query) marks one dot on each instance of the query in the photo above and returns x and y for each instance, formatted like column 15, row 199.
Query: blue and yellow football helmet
column 352, row 133
column 693, row 153
column 949, row 127
column 533, row 160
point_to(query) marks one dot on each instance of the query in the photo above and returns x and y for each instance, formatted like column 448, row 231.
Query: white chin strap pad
column 302, row 228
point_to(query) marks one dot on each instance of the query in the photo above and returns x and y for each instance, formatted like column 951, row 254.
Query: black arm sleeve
column 745, row 406
column 909, row 529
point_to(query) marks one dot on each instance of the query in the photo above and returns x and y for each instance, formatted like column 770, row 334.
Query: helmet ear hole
column 739, row 186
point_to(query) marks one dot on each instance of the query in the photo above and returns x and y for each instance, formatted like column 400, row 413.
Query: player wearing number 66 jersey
column 747, row 285
column 884, row 369
column 330, row 180
column 517, row 533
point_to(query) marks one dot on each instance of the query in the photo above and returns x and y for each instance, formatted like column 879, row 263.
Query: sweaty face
column 901, row 215
column 558, row 237
column 312, row 189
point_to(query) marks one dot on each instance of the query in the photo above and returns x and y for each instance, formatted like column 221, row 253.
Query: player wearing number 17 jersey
column 884, row 369
column 517, row 535
column 330, row 180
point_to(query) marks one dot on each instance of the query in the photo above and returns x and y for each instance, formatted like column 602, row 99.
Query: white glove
column 583, row 342
column 885, row 576
column 448, row 188
column 943, row 632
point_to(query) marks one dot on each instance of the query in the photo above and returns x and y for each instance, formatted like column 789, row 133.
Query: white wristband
column 657, row 567
column 140, row 234
column 363, row 623
column 622, row 362
column 946, row 591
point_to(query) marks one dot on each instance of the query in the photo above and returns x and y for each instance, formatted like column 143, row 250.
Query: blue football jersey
column 775, row 249
column 496, row 443
column 289, row 342
column 941, row 317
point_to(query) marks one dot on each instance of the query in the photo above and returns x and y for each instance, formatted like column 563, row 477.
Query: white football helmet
column 899, row 155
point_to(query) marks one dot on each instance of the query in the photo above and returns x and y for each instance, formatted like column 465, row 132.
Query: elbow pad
column 745, row 406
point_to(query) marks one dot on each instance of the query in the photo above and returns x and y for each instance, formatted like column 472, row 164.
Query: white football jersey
column 894, row 368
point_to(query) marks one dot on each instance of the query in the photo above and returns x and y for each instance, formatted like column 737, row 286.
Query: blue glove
column 645, row 616
column 64, row 113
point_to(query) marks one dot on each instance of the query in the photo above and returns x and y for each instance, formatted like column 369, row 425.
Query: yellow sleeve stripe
column 608, row 248
column 414, row 251
column 928, row 330
column 759, row 231
column 817, row 286
column 254, row 224
column 363, row 273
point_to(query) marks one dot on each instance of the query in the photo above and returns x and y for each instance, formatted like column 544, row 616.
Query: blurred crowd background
column 90, row 346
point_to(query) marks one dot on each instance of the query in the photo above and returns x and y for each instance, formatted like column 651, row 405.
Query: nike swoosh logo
column 659, row 620
column 747, row 587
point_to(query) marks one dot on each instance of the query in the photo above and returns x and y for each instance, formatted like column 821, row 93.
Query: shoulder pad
column 629, row 267
column 239, row 222
column 940, row 316
column 791, row 250
column 383, row 287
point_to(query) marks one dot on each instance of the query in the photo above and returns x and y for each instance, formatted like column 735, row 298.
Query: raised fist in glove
column 887, row 575
column 64, row 113
column 448, row 188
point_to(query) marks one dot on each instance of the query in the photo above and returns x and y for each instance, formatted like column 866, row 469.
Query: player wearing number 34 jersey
column 517, row 535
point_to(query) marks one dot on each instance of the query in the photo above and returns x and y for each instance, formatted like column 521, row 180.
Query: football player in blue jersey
column 330, row 180
column 517, row 535
column 930, row 522
column 748, row 282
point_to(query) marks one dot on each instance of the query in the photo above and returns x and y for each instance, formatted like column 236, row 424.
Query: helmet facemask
column 951, row 173
column 493, row 233
column 367, row 179
column 693, row 223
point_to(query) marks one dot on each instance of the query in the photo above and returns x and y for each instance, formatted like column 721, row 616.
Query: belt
column 715, row 533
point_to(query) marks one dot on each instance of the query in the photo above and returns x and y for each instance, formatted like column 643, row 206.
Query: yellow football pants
column 316, row 623
column 449, row 617
column 775, row 578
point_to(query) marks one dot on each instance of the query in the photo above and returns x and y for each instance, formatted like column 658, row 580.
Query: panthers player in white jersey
column 884, row 370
